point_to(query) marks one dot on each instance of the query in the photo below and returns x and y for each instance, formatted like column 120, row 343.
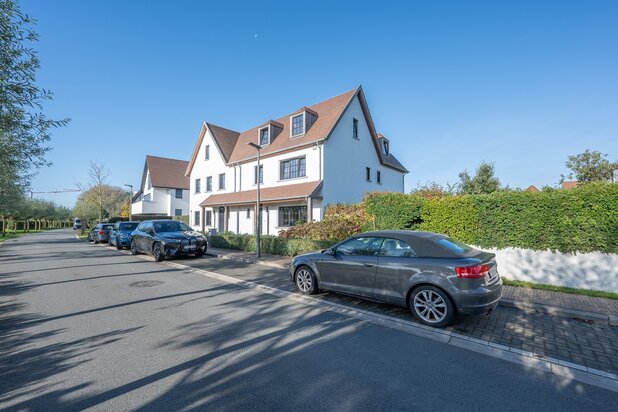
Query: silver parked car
column 435, row 276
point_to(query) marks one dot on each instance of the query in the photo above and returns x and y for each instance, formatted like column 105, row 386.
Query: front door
column 221, row 220
column 352, row 268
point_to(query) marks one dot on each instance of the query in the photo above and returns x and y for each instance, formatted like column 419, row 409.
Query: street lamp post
column 130, row 198
column 258, row 214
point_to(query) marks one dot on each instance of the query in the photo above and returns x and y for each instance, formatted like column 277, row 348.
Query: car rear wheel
column 133, row 248
column 305, row 281
column 157, row 252
column 432, row 306
column 96, row 240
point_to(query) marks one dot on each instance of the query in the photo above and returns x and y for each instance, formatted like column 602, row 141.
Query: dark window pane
column 362, row 246
column 396, row 248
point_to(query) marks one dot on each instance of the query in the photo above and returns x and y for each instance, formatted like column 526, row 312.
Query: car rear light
column 472, row 272
column 101, row 232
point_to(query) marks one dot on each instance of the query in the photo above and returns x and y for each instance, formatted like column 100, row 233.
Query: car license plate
column 190, row 247
column 491, row 276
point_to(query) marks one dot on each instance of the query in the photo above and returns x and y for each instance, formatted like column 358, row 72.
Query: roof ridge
column 166, row 158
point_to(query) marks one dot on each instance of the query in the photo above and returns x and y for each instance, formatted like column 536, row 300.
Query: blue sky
column 521, row 84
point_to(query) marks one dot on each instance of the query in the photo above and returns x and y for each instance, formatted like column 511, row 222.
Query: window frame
column 355, row 128
column 196, row 218
column 267, row 128
column 379, row 177
column 207, row 152
column 208, row 218
column 221, row 187
column 255, row 175
column 177, row 212
column 197, row 186
column 375, row 238
column 176, row 194
column 303, row 126
column 282, row 213
column 386, row 239
column 298, row 168
column 248, row 213
column 368, row 174
column 208, row 184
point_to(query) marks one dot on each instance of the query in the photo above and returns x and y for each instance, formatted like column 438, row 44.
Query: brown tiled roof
column 389, row 159
column 267, row 194
column 164, row 172
column 328, row 113
column 569, row 184
column 532, row 188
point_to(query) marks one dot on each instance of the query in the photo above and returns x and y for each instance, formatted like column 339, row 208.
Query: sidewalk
column 581, row 307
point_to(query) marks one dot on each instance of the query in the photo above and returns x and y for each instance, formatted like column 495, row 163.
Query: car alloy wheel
column 305, row 281
column 118, row 245
column 432, row 306
column 133, row 248
column 157, row 253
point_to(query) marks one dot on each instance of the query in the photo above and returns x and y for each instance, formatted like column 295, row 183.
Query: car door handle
column 368, row 265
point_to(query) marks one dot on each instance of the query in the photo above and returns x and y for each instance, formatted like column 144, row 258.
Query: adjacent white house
column 164, row 189
column 317, row 155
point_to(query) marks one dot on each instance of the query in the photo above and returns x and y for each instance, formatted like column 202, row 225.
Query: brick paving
column 592, row 344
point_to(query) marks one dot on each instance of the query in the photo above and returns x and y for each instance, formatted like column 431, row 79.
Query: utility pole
column 258, row 214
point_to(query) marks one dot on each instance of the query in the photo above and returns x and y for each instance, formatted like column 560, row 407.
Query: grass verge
column 13, row 235
column 563, row 289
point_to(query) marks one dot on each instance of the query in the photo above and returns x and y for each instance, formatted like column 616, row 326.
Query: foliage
column 99, row 202
column 184, row 218
column 455, row 216
column 24, row 130
column 268, row 244
column 483, row 181
column 392, row 210
column 340, row 221
column 33, row 214
column 590, row 166
column 562, row 289
column 431, row 190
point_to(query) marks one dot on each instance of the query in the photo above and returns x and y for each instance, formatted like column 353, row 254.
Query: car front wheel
column 157, row 252
column 118, row 245
column 432, row 306
column 305, row 281
column 133, row 248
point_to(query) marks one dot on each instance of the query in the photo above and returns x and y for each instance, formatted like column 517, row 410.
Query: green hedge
column 582, row 219
column 268, row 244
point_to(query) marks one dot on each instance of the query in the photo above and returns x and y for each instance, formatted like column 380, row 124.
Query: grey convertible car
column 435, row 276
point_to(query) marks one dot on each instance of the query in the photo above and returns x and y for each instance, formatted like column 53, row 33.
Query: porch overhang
column 277, row 194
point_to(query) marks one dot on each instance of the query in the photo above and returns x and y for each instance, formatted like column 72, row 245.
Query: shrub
column 339, row 222
column 273, row 245
column 455, row 216
column 392, row 210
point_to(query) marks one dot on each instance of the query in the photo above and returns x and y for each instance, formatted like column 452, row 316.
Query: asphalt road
column 76, row 333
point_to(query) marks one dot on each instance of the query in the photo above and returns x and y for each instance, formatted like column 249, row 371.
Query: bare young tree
column 95, row 192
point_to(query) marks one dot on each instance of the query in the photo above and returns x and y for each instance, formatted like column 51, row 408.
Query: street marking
column 564, row 369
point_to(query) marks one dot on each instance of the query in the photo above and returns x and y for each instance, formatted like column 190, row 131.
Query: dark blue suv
column 120, row 235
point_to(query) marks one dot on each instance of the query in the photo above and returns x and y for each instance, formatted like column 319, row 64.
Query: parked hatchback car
column 100, row 232
column 120, row 235
column 435, row 276
column 167, row 238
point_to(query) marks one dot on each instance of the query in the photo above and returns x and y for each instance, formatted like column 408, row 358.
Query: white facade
column 338, row 162
column 161, row 201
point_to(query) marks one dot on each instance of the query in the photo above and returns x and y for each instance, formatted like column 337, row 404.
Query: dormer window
column 385, row 147
column 298, row 125
column 264, row 136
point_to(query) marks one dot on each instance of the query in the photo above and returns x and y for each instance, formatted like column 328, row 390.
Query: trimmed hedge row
column 273, row 245
column 583, row 219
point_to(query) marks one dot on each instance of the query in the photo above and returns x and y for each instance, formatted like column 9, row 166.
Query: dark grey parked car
column 433, row 275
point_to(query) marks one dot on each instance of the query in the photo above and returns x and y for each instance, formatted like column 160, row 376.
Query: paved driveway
column 86, row 327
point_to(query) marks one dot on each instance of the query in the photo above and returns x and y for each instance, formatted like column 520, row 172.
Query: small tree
column 95, row 192
column 589, row 166
column 431, row 190
column 483, row 181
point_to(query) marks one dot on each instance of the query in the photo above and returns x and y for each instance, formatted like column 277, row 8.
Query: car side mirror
column 329, row 251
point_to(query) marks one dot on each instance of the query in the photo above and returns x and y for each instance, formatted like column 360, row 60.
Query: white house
column 164, row 189
column 326, row 153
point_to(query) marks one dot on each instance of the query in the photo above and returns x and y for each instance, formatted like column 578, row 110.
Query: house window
column 196, row 217
column 207, row 152
column 177, row 212
column 292, row 215
column 198, row 186
column 368, row 174
column 208, row 218
column 248, row 213
column 379, row 176
column 222, row 181
column 209, row 184
column 255, row 177
column 147, row 197
column 264, row 136
column 178, row 193
column 298, row 125
column 385, row 147
column 293, row 168
column 355, row 128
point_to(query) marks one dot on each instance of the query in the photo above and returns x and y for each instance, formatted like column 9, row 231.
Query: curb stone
column 507, row 303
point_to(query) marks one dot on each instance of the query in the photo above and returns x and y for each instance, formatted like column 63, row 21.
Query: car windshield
column 161, row 227
column 107, row 226
column 127, row 226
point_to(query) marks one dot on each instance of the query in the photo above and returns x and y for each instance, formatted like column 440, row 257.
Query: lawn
column 13, row 235
column 563, row 289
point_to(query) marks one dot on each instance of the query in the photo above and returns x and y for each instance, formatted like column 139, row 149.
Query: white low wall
column 594, row 270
